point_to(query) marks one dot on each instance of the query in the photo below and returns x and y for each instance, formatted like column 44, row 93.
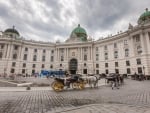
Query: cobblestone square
column 133, row 96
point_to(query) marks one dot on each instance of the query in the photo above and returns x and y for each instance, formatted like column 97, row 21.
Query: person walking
column 115, row 82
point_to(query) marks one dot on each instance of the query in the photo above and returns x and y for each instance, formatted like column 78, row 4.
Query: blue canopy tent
column 50, row 73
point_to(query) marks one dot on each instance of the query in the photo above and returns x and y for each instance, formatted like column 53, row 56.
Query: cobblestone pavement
column 133, row 96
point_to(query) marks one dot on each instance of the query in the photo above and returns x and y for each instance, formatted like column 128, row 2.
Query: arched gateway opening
column 73, row 66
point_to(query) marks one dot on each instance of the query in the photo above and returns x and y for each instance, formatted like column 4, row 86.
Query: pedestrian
column 115, row 82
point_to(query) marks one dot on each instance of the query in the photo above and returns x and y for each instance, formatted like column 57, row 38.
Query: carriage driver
column 71, row 79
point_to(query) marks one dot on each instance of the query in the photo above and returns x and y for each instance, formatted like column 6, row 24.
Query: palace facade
column 125, row 53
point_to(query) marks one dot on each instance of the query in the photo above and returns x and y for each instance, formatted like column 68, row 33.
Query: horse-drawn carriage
column 76, row 81
column 139, row 77
column 114, row 79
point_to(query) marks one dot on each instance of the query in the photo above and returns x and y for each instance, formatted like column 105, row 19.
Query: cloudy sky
column 51, row 20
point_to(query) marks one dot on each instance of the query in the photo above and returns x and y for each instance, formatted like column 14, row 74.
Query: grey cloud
column 101, row 13
column 93, row 15
column 49, row 29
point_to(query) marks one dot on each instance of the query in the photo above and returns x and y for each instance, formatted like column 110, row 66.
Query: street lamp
column 26, row 73
column 5, row 72
column 144, row 70
column 144, row 73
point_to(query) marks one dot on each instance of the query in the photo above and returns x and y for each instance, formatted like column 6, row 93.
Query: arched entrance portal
column 73, row 66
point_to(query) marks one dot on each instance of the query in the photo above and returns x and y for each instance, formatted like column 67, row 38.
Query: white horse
column 92, row 80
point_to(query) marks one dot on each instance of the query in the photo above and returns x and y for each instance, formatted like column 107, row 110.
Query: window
column 107, row 71
column 139, row 70
column 85, row 49
column 12, row 70
column 106, row 64
column 62, row 58
column 73, row 53
column 24, row 65
column 97, row 57
column 106, row 56
column 33, row 66
column 34, row 58
column 138, row 61
column 1, row 54
column 2, row 46
column 35, row 50
column 127, row 63
column 15, row 47
column 52, row 58
column 26, row 49
column 137, row 38
column 84, row 71
column 25, row 57
column 97, row 71
column 62, row 50
column 23, row 71
column 51, row 66
column 105, row 47
column 115, row 45
column 116, row 54
column 97, row 49
column 43, row 58
column 52, row 51
column 125, row 42
column 97, row 65
column 43, row 65
column 139, row 49
column 116, row 64
column 128, row 71
column 44, row 51
column 15, row 56
column 13, row 64
column 60, row 65
column 84, row 64
column 33, row 71
column 117, row 71
column 85, row 57
column 126, row 52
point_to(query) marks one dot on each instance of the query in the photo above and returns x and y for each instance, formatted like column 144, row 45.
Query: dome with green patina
column 11, row 30
column 79, row 33
column 145, row 17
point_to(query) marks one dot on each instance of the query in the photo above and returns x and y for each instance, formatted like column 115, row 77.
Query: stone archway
column 73, row 65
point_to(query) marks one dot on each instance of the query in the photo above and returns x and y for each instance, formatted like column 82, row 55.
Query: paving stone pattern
column 133, row 96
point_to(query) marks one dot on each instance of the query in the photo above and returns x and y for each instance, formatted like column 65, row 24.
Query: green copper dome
column 145, row 17
column 79, row 30
column 79, row 33
column 12, row 30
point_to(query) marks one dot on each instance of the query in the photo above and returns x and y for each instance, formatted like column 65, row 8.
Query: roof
column 79, row 30
column 79, row 34
column 11, row 30
column 144, row 17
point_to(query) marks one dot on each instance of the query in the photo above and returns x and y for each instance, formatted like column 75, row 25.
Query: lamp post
column 26, row 72
column 144, row 70
column 5, row 72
